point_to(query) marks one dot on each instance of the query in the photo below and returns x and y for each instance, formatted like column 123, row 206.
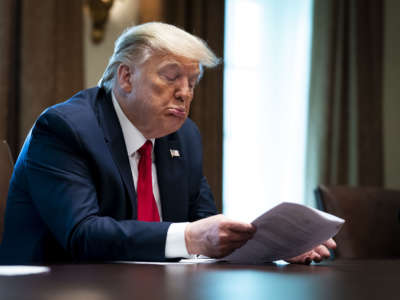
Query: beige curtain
column 205, row 19
column 345, row 144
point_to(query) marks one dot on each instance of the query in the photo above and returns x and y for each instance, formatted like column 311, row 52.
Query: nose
column 183, row 91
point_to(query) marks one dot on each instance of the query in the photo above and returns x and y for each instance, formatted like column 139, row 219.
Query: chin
column 171, row 129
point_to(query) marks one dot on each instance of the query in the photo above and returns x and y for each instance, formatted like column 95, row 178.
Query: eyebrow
column 175, row 64
column 171, row 62
column 170, row 65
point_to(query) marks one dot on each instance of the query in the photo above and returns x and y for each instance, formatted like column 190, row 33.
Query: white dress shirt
column 175, row 245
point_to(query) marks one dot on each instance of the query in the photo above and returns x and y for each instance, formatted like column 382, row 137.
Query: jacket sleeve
column 63, row 191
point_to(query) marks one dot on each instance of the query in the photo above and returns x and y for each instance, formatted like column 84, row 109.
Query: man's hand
column 217, row 236
column 317, row 254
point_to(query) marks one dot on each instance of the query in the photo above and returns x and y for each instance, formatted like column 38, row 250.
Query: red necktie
column 147, row 207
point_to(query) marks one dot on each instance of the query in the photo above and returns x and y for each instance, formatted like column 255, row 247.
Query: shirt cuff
column 175, row 245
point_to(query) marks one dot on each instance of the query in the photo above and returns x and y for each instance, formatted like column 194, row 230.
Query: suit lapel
column 171, row 178
column 115, row 140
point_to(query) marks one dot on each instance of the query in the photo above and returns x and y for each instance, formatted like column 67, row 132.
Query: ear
column 124, row 76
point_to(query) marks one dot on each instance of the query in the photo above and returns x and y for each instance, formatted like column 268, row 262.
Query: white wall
column 391, row 90
column 122, row 14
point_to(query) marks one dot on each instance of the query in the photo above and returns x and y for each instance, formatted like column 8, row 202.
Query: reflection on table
column 340, row 279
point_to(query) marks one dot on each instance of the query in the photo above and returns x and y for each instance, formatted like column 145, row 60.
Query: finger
column 233, row 236
column 330, row 244
column 314, row 256
column 240, row 226
column 322, row 251
column 304, row 258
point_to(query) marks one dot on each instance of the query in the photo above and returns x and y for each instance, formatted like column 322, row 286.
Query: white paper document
column 285, row 231
column 187, row 261
column 22, row 270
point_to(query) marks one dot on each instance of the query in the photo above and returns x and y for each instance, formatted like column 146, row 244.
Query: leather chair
column 6, row 168
column 372, row 227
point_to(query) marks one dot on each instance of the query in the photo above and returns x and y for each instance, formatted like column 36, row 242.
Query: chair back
column 6, row 168
column 372, row 227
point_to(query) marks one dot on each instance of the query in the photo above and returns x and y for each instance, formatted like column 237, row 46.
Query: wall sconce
column 99, row 10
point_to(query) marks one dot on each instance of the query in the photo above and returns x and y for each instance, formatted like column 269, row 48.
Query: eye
column 170, row 75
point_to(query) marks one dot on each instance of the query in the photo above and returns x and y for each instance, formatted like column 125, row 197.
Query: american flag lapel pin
column 174, row 153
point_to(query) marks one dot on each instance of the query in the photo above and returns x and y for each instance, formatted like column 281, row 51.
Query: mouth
column 177, row 112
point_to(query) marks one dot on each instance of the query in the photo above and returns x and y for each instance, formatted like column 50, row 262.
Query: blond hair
column 137, row 44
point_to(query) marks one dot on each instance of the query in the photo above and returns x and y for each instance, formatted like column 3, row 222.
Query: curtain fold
column 42, row 61
column 9, row 66
column 205, row 19
column 345, row 138
column 41, row 64
column 51, row 56
column 9, row 49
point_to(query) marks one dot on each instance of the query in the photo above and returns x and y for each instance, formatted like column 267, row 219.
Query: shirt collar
column 134, row 139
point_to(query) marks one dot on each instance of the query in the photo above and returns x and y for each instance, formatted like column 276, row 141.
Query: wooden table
column 353, row 279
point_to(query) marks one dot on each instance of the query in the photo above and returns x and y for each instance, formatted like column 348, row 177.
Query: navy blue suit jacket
column 72, row 197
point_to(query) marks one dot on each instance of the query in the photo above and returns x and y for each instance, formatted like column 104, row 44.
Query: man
column 115, row 173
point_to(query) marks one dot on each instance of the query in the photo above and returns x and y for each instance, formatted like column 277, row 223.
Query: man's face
column 159, row 94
